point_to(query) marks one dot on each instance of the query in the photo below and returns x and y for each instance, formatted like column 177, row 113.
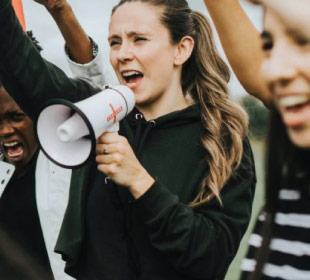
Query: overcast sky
column 94, row 16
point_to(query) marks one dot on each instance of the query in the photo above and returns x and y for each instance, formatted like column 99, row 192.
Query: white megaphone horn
column 67, row 132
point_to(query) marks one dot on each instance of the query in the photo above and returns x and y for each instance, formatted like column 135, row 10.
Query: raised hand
column 53, row 5
column 77, row 41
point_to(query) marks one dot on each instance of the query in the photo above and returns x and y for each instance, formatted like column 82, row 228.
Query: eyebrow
column 14, row 112
column 294, row 33
column 129, row 34
column 112, row 37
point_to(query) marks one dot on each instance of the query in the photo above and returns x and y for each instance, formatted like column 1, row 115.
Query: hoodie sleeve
column 30, row 79
column 201, row 242
column 95, row 72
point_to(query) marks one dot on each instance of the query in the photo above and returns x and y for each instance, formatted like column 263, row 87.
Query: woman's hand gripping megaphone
column 117, row 160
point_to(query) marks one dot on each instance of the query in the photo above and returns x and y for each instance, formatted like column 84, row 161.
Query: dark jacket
column 165, row 237
column 157, row 236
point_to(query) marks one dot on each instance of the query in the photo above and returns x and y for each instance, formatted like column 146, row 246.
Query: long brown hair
column 286, row 166
column 205, row 78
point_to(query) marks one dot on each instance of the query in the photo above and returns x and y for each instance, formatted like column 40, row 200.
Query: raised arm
column 77, row 41
column 84, row 56
column 29, row 78
column 241, row 43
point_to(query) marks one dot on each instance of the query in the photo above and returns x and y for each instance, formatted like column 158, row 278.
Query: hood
column 180, row 117
column 137, row 128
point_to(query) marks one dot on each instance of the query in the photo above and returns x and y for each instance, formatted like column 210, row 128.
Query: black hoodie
column 157, row 236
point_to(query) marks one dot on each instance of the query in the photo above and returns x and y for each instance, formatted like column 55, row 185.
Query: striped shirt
column 289, row 257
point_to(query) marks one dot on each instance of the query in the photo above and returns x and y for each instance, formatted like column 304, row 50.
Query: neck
column 172, row 100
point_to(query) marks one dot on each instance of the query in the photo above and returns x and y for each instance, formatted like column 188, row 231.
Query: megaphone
column 67, row 132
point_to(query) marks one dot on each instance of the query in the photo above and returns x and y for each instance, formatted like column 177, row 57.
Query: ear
column 184, row 50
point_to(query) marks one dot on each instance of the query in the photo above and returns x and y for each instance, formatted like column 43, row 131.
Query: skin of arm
column 77, row 41
column 242, row 45
column 296, row 15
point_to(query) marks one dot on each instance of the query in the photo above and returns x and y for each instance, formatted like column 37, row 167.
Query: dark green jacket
column 170, row 240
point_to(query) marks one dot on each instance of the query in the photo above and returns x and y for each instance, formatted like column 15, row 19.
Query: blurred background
column 94, row 16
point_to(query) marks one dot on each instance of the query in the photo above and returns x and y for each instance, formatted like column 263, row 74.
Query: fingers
column 109, row 162
column 103, row 149
column 109, row 137
column 111, row 148
column 109, row 159
column 115, row 156
column 110, row 143
column 109, row 169
column 108, row 149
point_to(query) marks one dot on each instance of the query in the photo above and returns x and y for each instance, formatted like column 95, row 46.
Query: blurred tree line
column 258, row 117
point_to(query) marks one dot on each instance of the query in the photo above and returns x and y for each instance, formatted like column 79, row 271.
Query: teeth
column 130, row 73
column 293, row 100
column 10, row 144
column 15, row 154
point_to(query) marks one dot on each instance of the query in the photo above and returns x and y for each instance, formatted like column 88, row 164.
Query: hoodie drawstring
column 140, row 140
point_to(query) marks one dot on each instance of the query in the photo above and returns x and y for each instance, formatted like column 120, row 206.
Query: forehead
column 135, row 17
column 277, row 28
column 6, row 102
column 272, row 23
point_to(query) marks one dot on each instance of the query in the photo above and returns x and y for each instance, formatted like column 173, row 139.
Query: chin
column 300, row 139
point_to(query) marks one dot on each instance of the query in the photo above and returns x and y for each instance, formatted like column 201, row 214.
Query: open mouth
column 132, row 78
column 294, row 102
column 13, row 149
column 295, row 109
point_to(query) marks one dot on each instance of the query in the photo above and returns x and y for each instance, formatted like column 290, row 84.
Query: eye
column 302, row 41
column 137, row 39
column 267, row 45
column 267, row 42
column 113, row 43
column 18, row 117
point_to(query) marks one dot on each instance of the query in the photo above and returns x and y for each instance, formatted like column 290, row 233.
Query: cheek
column 162, row 63
column 304, row 63
column 113, row 60
column 30, row 137
column 265, row 70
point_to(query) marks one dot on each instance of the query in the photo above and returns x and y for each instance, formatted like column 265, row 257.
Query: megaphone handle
column 114, row 128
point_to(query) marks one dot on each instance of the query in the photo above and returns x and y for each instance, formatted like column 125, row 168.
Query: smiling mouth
column 132, row 77
column 13, row 149
column 291, row 102
column 294, row 109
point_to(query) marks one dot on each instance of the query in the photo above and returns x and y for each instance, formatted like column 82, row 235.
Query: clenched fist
column 53, row 5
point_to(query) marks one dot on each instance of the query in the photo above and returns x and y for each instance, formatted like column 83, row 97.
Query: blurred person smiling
column 274, row 66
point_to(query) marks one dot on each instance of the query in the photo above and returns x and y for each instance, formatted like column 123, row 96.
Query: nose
column 280, row 66
column 125, row 52
column 6, row 129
